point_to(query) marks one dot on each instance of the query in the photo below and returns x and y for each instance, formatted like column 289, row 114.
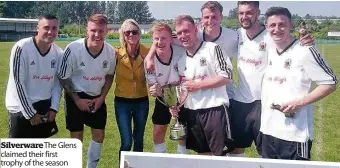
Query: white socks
column 160, row 148
column 93, row 154
column 235, row 155
column 182, row 149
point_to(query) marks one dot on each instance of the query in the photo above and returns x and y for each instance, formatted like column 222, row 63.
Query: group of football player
column 272, row 104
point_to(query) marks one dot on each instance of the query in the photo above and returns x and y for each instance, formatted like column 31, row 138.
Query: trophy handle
column 180, row 91
column 161, row 101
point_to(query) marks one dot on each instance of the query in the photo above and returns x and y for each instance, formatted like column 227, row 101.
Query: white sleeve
column 65, row 68
column 57, row 89
column 317, row 68
column 19, row 73
column 223, row 66
column 113, row 62
column 150, row 76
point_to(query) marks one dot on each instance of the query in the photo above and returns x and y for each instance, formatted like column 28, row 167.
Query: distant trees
column 76, row 12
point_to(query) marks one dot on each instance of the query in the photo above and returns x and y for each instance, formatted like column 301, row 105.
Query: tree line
column 77, row 12
column 319, row 30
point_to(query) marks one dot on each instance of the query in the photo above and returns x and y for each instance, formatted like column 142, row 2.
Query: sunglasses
column 129, row 32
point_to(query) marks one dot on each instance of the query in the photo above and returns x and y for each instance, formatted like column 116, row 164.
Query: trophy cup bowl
column 174, row 96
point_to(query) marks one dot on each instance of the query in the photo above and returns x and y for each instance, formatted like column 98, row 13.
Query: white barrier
column 334, row 34
column 159, row 160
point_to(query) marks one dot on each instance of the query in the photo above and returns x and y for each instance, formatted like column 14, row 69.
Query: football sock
column 93, row 154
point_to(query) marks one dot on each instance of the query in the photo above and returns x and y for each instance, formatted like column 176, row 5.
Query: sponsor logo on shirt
column 82, row 64
column 278, row 79
column 270, row 63
column 94, row 78
column 53, row 64
column 199, row 77
column 32, row 63
column 105, row 64
column 262, row 46
column 251, row 61
column 43, row 77
column 159, row 75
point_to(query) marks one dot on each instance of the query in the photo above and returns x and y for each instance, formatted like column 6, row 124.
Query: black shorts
column 20, row 127
column 208, row 130
column 245, row 124
column 162, row 116
column 275, row 148
column 75, row 119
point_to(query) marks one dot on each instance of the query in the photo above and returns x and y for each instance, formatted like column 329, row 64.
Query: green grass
column 326, row 145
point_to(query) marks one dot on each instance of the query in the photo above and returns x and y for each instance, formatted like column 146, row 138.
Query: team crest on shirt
column 176, row 68
column 203, row 62
column 262, row 46
column 288, row 63
column 105, row 64
column 53, row 64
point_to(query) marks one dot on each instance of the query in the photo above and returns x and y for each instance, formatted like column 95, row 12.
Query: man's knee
column 159, row 133
column 78, row 135
column 98, row 135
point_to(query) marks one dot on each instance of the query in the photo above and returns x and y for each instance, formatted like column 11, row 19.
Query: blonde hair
column 127, row 24
column 160, row 27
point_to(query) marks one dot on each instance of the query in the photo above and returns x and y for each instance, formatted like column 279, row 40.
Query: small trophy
column 91, row 106
column 278, row 107
column 44, row 118
column 174, row 96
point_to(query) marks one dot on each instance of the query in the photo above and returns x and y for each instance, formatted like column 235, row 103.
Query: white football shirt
column 165, row 72
column 228, row 40
column 32, row 77
column 290, row 76
column 251, row 64
column 87, row 72
column 208, row 61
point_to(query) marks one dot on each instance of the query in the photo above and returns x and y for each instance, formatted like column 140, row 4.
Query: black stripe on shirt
column 221, row 61
column 20, row 90
column 322, row 63
column 63, row 67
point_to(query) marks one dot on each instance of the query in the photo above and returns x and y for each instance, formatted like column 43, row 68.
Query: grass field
column 326, row 146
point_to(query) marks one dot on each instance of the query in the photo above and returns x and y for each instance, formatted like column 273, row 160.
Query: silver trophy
column 174, row 96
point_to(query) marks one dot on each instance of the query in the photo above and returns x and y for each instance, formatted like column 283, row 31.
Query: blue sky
column 170, row 9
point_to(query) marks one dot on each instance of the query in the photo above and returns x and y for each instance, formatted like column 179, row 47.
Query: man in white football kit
column 287, row 91
column 86, row 73
column 205, row 71
column 165, row 72
column 254, row 42
column 33, row 90
column 213, row 31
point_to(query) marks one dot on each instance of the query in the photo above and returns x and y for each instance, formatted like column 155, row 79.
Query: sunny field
column 326, row 146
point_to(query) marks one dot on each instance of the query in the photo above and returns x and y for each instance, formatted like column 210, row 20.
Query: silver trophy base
column 178, row 133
